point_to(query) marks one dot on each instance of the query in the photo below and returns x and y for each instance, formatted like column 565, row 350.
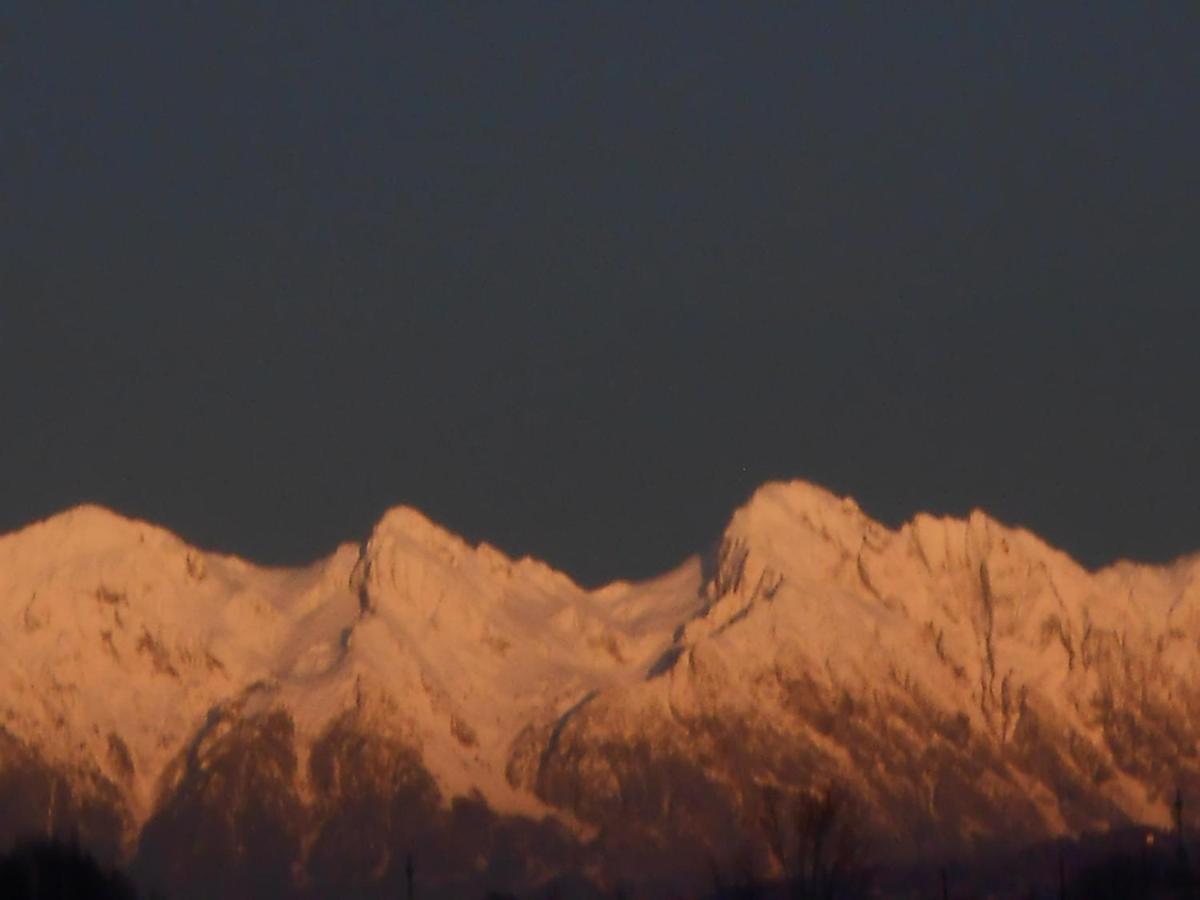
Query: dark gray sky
column 574, row 278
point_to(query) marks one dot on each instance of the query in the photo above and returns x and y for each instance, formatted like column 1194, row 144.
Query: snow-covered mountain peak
column 413, row 554
column 409, row 526
column 941, row 669
column 811, row 533
column 781, row 501
column 795, row 513
column 795, row 527
column 87, row 528
column 90, row 550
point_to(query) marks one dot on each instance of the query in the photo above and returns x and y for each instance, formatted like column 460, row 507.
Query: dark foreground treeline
column 1135, row 864
column 59, row 870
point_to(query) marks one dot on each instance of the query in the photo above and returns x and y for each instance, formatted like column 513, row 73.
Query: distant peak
column 88, row 518
column 800, row 495
column 407, row 531
column 88, row 513
column 409, row 523
column 780, row 507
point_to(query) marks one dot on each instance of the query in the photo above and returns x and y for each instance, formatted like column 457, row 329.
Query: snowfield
column 960, row 678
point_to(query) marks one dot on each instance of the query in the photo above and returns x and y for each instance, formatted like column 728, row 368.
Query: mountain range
column 414, row 712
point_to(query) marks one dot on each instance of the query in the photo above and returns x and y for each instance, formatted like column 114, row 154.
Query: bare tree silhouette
column 815, row 839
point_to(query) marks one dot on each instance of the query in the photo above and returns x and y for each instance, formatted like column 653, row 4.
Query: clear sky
column 574, row 278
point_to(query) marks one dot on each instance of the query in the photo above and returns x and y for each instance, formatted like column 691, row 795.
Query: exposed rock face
column 418, row 704
column 60, row 802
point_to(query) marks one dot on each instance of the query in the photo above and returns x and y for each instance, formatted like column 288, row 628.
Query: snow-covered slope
column 959, row 678
column 119, row 640
column 1078, row 688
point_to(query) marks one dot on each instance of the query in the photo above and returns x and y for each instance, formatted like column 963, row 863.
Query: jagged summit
column 795, row 513
column 404, row 532
column 960, row 677
column 410, row 524
column 796, row 510
column 800, row 497
column 778, row 513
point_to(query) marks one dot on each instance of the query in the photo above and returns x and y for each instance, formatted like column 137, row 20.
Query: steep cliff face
column 250, row 731
column 965, row 683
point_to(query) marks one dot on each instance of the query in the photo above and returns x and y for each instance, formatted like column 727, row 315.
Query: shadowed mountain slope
column 259, row 732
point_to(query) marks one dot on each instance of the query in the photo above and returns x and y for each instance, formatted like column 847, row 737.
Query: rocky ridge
column 259, row 731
